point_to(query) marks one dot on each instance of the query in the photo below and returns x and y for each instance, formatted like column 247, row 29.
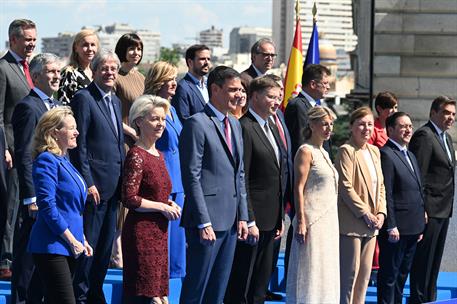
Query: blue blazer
column 213, row 178
column 404, row 197
column 26, row 115
column 188, row 100
column 99, row 155
column 168, row 145
column 61, row 194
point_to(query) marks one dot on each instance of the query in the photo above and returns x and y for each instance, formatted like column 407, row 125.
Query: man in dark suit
column 15, row 84
column 263, row 54
column 45, row 73
column 405, row 208
column 99, row 157
column 192, row 91
column 3, row 172
column 265, row 160
column 435, row 155
column 215, row 208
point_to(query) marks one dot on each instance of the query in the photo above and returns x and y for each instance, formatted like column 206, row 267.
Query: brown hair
column 385, row 100
column 359, row 113
column 440, row 102
column 315, row 114
column 159, row 73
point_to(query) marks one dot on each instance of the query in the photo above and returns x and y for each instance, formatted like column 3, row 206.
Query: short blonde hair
column 50, row 121
column 359, row 113
column 74, row 59
column 315, row 114
column 158, row 74
column 142, row 105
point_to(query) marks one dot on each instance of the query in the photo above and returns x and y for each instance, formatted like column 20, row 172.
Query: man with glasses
column 263, row 54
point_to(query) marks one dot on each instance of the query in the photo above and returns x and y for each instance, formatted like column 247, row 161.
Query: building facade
column 242, row 38
column 212, row 37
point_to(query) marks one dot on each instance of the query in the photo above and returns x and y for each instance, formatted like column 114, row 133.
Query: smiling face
column 66, row 136
column 106, row 74
column 49, row 78
column 86, row 49
column 151, row 126
column 444, row 118
column 264, row 102
column 402, row 131
column 23, row 45
column 264, row 58
column 134, row 53
column 168, row 89
column 227, row 97
column 201, row 63
column 361, row 130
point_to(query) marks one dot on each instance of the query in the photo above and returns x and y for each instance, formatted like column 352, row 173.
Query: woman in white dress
column 313, row 275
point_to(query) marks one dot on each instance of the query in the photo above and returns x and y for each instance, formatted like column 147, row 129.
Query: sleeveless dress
column 145, row 234
column 313, row 275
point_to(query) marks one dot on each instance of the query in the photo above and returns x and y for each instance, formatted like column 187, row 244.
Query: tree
column 170, row 55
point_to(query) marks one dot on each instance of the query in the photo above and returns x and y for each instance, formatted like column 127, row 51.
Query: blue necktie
column 109, row 106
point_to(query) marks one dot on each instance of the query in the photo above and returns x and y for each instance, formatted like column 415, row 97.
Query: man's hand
column 33, row 210
column 279, row 233
column 93, row 192
column 380, row 217
column 394, row 235
column 242, row 230
column 207, row 236
column 253, row 235
column 8, row 160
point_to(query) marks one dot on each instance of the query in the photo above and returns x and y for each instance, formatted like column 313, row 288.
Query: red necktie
column 25, row 65
column 227, row 134
column 281, row 131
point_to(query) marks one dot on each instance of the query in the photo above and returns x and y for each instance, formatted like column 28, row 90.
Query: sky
column 176, row 20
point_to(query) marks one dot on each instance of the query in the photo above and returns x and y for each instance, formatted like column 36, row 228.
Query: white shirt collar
column 219, row 114
column 102, row 92
column 259, row 119
column 16, row 56
column 438, row 130
column 309, row 98
column 257, row 71
column 41, row 94
column 402, row 148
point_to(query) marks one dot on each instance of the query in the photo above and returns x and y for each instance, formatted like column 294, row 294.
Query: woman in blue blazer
column 161, row 81
column 57, row 238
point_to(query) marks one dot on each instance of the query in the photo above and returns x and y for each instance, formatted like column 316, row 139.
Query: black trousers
column 56, row 273
column 395, row 261
column 251, row 271
column 427, row 261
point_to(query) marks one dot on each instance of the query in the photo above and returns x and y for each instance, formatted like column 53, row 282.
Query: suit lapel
column 16, row 69
column 221, row 134
column 194, row 88
column 174, row 122
column 441, row 143
column 263, row 138
column 103, row 109
column 39, row 102
column 77, row 180
column 366, row 173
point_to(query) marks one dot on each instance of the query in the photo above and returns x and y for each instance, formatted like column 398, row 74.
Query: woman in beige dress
column 361, row 206
column 313, row 275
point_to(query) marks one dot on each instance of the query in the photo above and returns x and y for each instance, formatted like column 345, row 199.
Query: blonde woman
column 361, row 206
column 77, row 74
column 161, row 81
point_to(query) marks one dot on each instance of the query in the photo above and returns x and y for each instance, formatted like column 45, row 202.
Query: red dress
column 145, row 234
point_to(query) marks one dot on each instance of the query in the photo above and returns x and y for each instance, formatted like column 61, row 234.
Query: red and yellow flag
column 294, row 67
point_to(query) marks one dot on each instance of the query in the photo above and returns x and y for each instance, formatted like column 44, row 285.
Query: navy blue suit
column 99, row 157
column 405, row 211
column 188, row 100
column 213, row 180
column 27, row 113
column 168, row 145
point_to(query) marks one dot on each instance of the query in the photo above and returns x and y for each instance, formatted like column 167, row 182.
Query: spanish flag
column 295, row 66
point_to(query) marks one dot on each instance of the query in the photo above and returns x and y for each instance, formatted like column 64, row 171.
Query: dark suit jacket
column 3, row 193
column 188, row 100
column 247, row 76
column 263, row 174
column 405, row 203
column 436, row 169
column 99, row 155
column 61, row 196
column 212, row 177
column 13, row 87
column 296, row 116
column 289, row 173
column 26, row 115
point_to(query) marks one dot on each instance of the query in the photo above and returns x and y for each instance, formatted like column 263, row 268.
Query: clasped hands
column 77, row 248
column 374, row 221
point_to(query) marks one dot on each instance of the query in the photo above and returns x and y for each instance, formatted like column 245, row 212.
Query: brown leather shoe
column 5, row 274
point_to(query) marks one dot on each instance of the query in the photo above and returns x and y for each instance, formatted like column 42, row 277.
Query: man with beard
column 15, row 84
column 192, row 92
column 263, row 56
column 45, row 73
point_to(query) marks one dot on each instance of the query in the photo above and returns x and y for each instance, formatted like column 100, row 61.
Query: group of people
column 205, row 169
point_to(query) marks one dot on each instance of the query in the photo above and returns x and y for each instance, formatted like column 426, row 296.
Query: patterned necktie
column 51, row 103
column 405, row 154
column 25, row 66
column 281, row 131
column 228, row 137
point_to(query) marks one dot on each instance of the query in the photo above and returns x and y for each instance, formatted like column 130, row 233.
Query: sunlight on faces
column 444, row 118
column 66, row 136
column 362, row 129
column 264, row 59
column 134, row 54
column 86, row 49
column 49, row 79
column 106, row 74
column 267, row 101
column 201, row 63
column 243, row 99
column 25, row 43
column 227, row 97
column 168, row 89
column 322, row 128
column 403, row 130
column 152, row 124
column 320, row 88
column 384, row 113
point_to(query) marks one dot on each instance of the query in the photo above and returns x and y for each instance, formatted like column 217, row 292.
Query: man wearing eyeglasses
column 263, row 54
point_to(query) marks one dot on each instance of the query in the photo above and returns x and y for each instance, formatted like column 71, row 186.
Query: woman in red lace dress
column 146, row 186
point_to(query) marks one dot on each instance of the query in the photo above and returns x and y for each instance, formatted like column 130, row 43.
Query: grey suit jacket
column 212, row 177
column 13, row 87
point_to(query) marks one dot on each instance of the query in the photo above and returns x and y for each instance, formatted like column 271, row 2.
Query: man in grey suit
column 15, row 84
column 215, row 209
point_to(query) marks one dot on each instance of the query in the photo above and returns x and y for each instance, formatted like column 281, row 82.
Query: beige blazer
column 355, row 191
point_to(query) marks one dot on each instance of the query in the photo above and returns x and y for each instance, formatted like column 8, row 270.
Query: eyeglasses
column 265, row 55
column 324, row 84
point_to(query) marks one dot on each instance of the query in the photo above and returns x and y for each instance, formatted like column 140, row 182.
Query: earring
column 56, row 139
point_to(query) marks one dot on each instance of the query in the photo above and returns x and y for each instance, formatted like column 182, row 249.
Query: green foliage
column 170, row 55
